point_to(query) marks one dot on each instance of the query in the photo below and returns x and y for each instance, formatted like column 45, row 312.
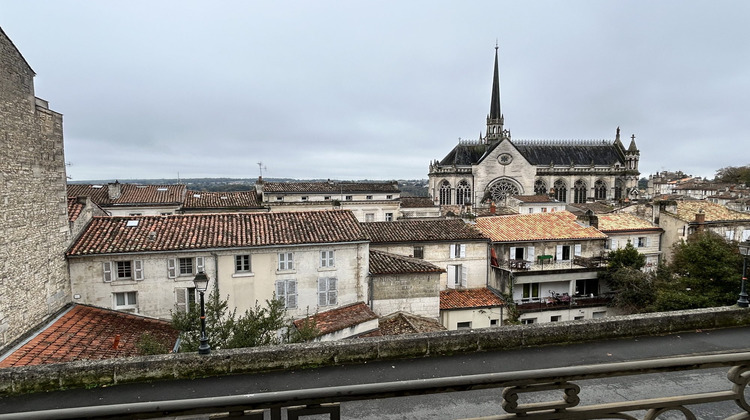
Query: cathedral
column 494, row 167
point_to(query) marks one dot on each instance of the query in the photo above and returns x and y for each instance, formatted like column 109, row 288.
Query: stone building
column 495, row 167
column 34, row 224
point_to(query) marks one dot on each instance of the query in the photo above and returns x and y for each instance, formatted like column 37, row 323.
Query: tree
column 626, row 257
column 734, row 175
column 634, row 290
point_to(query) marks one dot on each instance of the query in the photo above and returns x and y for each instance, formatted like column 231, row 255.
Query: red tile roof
column 468, row 298
column 387, row 263
column 625, row 222
column 106, row 235
column 330, row 187
column 340, row 318
column 86, row 332
column 75, row 207
column 221, row 200
column 417, row 202
column 421, row 231
column 130, row 194
column 536, row 227
column 405, row 323
column 686, row 211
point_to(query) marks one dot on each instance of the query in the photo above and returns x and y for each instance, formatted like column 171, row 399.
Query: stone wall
column 33, row 275
column 20, row 380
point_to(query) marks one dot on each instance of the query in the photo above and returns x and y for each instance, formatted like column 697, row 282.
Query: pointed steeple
column 632, row 148
column 495, row 117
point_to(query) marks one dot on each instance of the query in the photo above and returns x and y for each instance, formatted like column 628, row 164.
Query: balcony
column 547, row 262
column 562, row 302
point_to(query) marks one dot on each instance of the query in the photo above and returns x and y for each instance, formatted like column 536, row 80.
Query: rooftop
column 421, row 231
column 108, row 235
column 130, row 194
column 221, row 200
column 686, row 211
column 339, row 318
column 75, row 207
column 416, row 202
column 405, row 323
column 613, row 222
column 468, row 298
column 538, row 198
column 536, row 227
column 87, row 332
column 330, row 187
column 387, row 263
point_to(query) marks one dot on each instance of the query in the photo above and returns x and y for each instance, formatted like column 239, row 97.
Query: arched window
column 540, row 188
column 445, row 192
column 618, row 189
column 579, row 191
column 561, row 191
column 600, row 190
column 463, row 193
column 500, row 190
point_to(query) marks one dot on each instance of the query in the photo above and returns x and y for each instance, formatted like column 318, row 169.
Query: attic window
column 132, row 223
column 96, row 186
column 196, row 196
column 224, row 197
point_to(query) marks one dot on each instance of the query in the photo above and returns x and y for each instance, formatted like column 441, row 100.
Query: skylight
column 132, row 223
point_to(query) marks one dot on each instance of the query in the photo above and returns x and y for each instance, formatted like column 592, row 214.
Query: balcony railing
column 569, row 382
column 551, row 264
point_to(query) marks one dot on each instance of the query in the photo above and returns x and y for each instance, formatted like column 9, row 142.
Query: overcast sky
column 360, row 89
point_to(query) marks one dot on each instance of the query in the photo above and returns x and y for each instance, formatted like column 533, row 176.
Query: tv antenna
column 261, row 168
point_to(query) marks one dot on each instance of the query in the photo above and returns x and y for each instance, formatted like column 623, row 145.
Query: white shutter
column 333, row 293
column 291, row 293
column 530, row 256
column 280, row 290
column 464, row 275
column 107, row 269
column 200, row 264
column 451, row 284
column 138, row 269
column 559, row 253
column 512, row 253
column 577, row 252
column 648, row 241
column 463, row 251
column 172, row 268
column 322, row 291
column 323, row 259
column 452, row 251
column 613, row 246
column 745, row 235
column 180, row 296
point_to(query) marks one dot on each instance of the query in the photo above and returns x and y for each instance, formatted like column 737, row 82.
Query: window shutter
column 512, row 253
column 464, row 276
column 453, row 251
column 577, row 251
column 530, row 251
column 200, row 264
column 463, row 250
column 138, row 269
column 614, row 244
column 559, row 253
column 172, row 268
column 291, row 293
column 282, row 260
column 648, row 241
column 280, row 290
column 322, row 291
column 451, row 283
column 323, row 259
column 107, row 268
column 333, row 293
column 745, row 235
column 180, row 295
column 290, row 264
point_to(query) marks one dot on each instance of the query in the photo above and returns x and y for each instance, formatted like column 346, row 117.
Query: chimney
column 114, row 190
column 700, row 220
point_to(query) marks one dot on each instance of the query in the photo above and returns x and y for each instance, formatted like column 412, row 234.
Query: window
column 561, row 190
column 419, row 252
column 494, row 322
column 286, row 291
column 458, row 251
column 463, row 193
column 123, row 270
column 540, row 187
column 369, row 197
column 305, row 198
column 286, row 261
column 279, row 198
column 327, row 292
column 600, row 314
column 242, row 264
column 166, row 213
column 527, row 321
column 457, row 276
column 544, row 209
column 349, row 198
column 530, row 291
column 579, row 191
column 135, row 214
column 642, row 242
column 326, row 259
column 579, row 318
column 445, row 192
column 125, row 300
column 729, row 235
column 388, row 197
column 184, row 297
column 463, row 325
column 563, row 253
column 600, row 190
column 531, row 210
column 181, row 267
column 389, row 217
column 555, row 318
column 369, row 217
column 587, row 287
column 328, row 197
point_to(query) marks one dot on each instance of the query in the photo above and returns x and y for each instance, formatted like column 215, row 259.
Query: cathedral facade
column 494, row 167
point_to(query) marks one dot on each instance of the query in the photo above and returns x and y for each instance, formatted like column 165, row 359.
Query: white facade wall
column 478, row 317
column 647, row 243
column 126, row 211
column 559, row 315
column 379, row 209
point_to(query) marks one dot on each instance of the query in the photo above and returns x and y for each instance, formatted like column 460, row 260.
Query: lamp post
column 201, row 284
column 745, row 251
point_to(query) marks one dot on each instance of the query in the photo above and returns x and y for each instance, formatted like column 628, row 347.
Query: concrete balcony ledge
column 88, row 374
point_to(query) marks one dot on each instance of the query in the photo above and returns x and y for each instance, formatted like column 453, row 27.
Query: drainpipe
column 216, row 270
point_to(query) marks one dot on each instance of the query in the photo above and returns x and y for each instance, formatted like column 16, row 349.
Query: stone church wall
column 33, row 275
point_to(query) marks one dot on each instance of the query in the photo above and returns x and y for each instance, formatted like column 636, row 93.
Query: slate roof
column 417, row 202
column 89, row 333
column 543, row 152
column 107, row 235
column 468, row 298
column 686, row 211
column 221, row 200
column 130, row 194
column 421, row 231
column 330, row 187
column 625, row 222
column 536, row 227
column 387, row 263
column 339, row 318
column 400, row 323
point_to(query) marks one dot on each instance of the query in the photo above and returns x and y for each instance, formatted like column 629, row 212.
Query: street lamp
column 201, row 284
column 745, row 251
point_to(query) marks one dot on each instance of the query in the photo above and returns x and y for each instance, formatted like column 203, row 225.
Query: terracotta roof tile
column 596, row 207
column 339, row 318
column 614, row 222
column 221, row 200
column 75, row 207
column 106, row 235
column 330, row 187
column 405, row 323
column 536, row 227
column 130, row 194
column 87, row 332
column 417, row 202
column 387, row 263
column 468, row 298
column 535, row 199
column 421, row 230
column 686, row 211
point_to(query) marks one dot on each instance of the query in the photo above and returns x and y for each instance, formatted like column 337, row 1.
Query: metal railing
column 328, row 400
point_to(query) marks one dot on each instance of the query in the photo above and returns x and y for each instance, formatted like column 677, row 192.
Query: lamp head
column 745, row 248
column 201, row 282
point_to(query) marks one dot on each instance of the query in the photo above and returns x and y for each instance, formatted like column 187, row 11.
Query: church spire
column 495, row 117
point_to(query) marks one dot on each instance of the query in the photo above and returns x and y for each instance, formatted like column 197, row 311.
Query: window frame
column 418, row 252
column 288, row 295
column 327, row 258
column 285, row 261
column 243, row 264
column 327, row 291
column 126, row 298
